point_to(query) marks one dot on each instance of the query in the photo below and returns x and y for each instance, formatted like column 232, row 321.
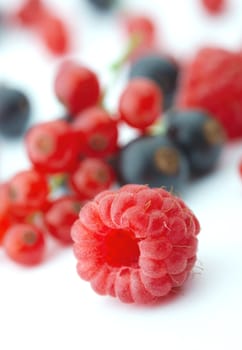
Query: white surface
column 49, row 307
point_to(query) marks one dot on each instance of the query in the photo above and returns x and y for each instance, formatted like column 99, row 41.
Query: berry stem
column 56, row 181
column 116, row 67
column 133, row 42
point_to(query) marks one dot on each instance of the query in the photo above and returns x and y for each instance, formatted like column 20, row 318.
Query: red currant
column 5, row 210
column 28, row 191
column 77, row 87
column 97, row 132
column 52, row 147
column 61, row 216
column 24, row 244
column 214, row 6
column 142, row 30
column 30, row 13
column 140, row 103
column 53, row 31
column 143, row 26
column 91, row 177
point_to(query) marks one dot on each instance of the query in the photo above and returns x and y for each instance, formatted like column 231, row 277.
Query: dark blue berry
column 14, row 112
column 161, row 70
column 152, row 160
column 198, row 135
column 102, row 5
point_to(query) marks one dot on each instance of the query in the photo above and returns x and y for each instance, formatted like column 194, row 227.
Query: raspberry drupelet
column 135, row 243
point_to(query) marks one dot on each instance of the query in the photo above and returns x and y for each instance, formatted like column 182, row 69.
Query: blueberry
column 152, row 160
column 14, row 112
column 161, row 70
column 198, row 135
column 102, row 5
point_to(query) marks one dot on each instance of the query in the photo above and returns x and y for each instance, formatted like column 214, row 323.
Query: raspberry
column 213, row 81
column 135, row 243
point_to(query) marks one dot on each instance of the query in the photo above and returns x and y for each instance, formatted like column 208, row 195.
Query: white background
column 49, row 307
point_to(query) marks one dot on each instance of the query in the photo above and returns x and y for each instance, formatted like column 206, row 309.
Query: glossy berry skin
column 54, row 34
column 52, row 147
column 136, row 243
column 160, row 69
column 77, row 87
column 97, row 133
column 5, row 210
column 198, row 135
column 140, row 103
column 30, row 12
column 213, row 75
column 28, row 191
column 15, row 112
column 140, row 28
column 24, row 244
column 102, row 5
column 214, row 6
column 153, row 160
column 91, row 177
column 61, row 215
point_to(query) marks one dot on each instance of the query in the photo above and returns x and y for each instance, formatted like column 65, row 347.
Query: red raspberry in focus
column 214, row 6
column 213, row 81
column 91, row 177
column 97, row 133
column 136, row 243
column 52, row 147
column 140, row 103
column 61, row 216
column 77, row 87
column 24, row 244
column 28, row 191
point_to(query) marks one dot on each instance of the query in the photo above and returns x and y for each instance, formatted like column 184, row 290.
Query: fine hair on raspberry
column 135, row 243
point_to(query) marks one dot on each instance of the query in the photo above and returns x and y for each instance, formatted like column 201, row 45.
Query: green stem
column 134, row 42
column 56, row 181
